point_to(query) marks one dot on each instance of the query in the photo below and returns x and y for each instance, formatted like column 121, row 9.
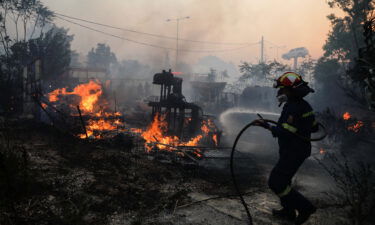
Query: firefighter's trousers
column 281, row 177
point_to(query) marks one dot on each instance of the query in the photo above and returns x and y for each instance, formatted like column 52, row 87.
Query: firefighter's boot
column 284, row 213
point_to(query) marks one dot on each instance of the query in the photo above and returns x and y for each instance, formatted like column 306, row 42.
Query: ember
column 346, row 116
column 356, row 127
column 322, row 151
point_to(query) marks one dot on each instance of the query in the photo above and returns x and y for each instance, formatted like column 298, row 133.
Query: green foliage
column 327, row 71
column 346, row 38
column 53, row 48
column 306, row 68
column 341, row 49
column 101, row 57
column 19, row 15
column 363, row 69
column 261, row 71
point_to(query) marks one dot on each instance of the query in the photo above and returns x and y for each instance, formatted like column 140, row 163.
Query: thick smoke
column 296, row 53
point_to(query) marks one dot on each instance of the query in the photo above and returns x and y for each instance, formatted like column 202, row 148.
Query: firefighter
column 293, row 131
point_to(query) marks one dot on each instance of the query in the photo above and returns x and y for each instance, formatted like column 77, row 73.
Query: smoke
column 255, row 140
column 210, row 20
column 295, row 53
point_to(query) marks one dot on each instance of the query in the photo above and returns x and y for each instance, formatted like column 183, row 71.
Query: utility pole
column 177, row 27
column 262, row 50
column 166, row 60
column 178, row 22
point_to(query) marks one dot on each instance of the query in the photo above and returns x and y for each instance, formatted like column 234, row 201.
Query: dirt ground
column 72, row 181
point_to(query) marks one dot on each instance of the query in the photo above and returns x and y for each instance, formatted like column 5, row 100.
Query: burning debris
column 353, row 127
column 93, row 106
column 180, row 121
column 156, row 136
column 177, row 126
column 356, row 127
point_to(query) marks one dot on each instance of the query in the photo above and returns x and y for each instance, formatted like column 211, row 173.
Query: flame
column 156, row 132
column 89, row 93
column 346, row 116
column 136, row 130
column 322, row 151
column 214, row 138
column 205, row 128
column 193, row 142
column 356, row 127
column 44, row 105
column 209, row 128
column 198, row 153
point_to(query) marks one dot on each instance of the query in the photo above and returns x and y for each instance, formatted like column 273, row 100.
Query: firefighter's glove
column 262, row 123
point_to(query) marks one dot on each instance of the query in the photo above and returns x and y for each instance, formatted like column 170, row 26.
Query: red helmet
column 288, row 79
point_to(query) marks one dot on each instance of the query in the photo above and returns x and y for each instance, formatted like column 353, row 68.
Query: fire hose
column 254, row 123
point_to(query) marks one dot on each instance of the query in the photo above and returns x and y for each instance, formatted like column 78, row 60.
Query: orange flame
column 346, row 116
column 205, row 128
column 136, row 130
column 209, row 128
column 156, row 132
column 322, row 151
column 214, row 138
column 90, row 94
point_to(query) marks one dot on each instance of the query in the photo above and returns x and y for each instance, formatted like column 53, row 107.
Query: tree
column 53, row 48
column 306, row 68
column 74, row 59
column 345, row 38
column 101, row 57
column 341, row 48
column 363, row 69
column 131, row 69
column 21, row 13
column 262, row 71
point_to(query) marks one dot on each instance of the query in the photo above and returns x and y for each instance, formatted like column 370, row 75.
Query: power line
column 153, row 45
column 272, row 43
column 150, row 34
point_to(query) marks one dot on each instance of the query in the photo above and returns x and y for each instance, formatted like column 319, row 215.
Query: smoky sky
column 289, row 23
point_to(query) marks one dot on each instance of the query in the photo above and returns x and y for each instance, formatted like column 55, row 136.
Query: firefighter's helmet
column 288, row 79
column 295, row 82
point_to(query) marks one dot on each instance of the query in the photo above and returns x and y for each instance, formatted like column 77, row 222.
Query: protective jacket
column 297, row 117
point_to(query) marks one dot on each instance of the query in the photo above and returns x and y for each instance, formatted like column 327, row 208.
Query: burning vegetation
column 87, row 100
column 353, row 127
